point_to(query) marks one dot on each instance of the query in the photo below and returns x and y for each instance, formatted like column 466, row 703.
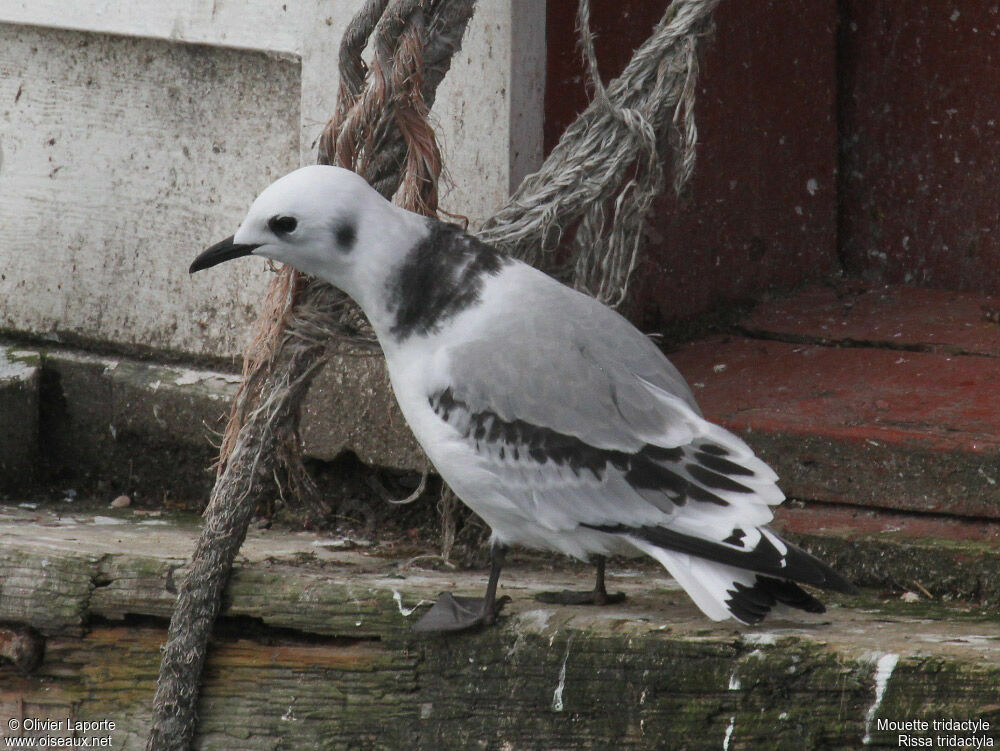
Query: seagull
column 552, row 417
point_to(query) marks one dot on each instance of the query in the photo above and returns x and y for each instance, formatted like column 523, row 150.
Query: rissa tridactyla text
column 548, row 414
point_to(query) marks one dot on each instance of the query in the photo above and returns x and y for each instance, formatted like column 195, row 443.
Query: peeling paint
column 14, row 368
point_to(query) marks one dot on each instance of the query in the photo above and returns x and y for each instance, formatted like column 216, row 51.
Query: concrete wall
column 134, row 132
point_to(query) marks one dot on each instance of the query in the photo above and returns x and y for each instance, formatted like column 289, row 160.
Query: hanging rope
column 606, row 170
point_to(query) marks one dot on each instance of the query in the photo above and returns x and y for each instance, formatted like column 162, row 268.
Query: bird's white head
column 324, row 221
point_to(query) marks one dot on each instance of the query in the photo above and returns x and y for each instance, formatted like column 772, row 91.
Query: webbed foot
column 452, row 613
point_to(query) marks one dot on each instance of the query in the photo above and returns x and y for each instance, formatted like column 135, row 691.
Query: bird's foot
column 572, row 597
column 452, row 613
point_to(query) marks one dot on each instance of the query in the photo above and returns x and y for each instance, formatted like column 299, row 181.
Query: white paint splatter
column 763, row 638
column 405, row 612
column 734, row 685
column 883, row 672
column 812, row 185
column 557, row 695
column 535, row 621
column 729, row 733
column 189, row 378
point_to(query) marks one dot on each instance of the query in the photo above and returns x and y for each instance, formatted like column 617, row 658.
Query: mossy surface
column 314, row 650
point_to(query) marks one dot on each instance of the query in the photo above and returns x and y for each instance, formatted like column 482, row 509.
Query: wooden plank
column 343, row 671
column 905, row 430
column 894, row 316
column 828, row 519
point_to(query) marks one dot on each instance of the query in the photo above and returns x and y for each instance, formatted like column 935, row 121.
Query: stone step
column 314, row 650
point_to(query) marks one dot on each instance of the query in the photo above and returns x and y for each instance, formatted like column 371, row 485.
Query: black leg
column 598, row 596
column 452, row 613
column 490, row 609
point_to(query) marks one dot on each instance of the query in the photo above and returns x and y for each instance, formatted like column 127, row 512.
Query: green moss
column 960, row 570
column 24, row 357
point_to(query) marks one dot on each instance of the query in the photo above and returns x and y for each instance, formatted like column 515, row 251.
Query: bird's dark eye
column 282, row 225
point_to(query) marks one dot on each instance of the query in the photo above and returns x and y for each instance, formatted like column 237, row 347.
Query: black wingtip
column 752, row 604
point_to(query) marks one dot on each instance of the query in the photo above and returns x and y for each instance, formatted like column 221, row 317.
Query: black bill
column 221, row 251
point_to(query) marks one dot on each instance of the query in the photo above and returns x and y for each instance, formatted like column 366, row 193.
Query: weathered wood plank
column 314, row 651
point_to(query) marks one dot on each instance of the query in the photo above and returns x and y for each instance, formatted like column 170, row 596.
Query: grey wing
column 575, row 366
column 584, row 422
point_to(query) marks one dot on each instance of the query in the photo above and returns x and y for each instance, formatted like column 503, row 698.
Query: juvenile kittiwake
column 548, row 414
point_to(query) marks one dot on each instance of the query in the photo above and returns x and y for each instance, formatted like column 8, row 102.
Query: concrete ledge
column 351, row 407
column 131, row 426
column 19, row 376
column 116, row 425
column 153, row 428
column 314, row 650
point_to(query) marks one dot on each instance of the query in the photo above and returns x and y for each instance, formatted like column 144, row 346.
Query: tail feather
column 771, row 556
column 724, row 591
column 705, row 584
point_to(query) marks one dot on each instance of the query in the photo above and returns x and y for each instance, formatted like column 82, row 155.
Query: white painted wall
column 135, row 132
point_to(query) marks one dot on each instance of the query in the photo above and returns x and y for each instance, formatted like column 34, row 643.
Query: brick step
column 914, row 431
column 933, row 320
